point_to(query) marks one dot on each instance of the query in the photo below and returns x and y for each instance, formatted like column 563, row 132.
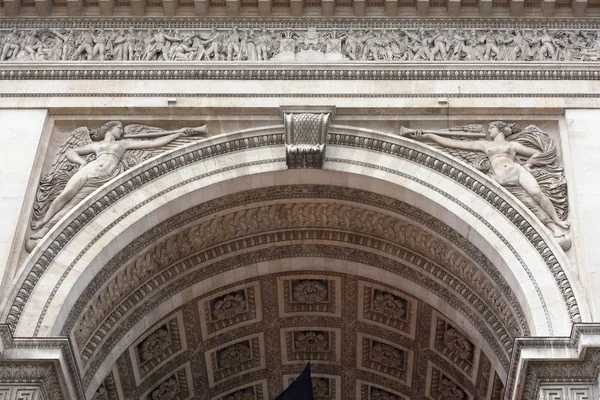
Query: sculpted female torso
column 502, row 157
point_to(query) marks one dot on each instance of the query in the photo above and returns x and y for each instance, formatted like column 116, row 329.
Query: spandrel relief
column 91, row 157
column 522, row 160
column 313, row 44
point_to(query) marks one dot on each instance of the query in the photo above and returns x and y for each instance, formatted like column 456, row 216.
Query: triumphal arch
column 198, row 197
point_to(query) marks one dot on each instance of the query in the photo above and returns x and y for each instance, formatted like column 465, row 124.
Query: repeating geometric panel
column 21, row 393
column 441, row 385
column 452, row 344
column 309, row 295
column 325, row 387
column 253, row 391
column 390, row 309
column 235, row 358
column 157, row 346
column 314, row 344
column 175, row 386
column 230, row 309
column 369, row 391
column 384, row 358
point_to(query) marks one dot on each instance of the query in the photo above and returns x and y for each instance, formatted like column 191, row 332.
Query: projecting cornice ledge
column 37, row 368
column 556, row 368
column 300, row 71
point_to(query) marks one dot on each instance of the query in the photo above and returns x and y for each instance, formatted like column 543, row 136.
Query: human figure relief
column 92, row 157
column 526, row 164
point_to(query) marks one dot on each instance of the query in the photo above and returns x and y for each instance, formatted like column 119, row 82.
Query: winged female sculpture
column 524, row 161
column 92, row 157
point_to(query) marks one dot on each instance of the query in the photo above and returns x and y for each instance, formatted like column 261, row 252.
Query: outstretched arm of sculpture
column 472, row 145
column 74, row 155
column 132, row 144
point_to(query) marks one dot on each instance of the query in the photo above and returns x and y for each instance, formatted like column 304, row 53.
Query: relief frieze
column 369, row 42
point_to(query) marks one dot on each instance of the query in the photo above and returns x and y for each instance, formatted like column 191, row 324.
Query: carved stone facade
column 215, row 202
column 396, row 43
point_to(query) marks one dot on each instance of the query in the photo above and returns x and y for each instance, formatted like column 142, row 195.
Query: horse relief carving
column 90, row 158
column 523, row 160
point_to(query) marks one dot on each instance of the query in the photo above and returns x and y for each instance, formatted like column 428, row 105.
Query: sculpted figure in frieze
column 91, row 157
column 524, row 161
column 247, row 44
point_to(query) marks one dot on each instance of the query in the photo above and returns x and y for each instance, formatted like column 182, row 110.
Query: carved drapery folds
column 305, row 137
column 523, row 160
column 397, row 43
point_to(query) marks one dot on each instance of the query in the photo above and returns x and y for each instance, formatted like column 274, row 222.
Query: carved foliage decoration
column 229, row 309
column 442, row 386
column 394, row 310
column 453, row 344
column 234, row 359
column 176, row 386
column 160, row 344
column 305, row 295
column 340, row 216
column 385, row 358
column 317, row 345
column 368, row 391
column 255, row 391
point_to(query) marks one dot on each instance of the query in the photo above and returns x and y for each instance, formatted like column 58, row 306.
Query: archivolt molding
column 159, row 288
column 44, row 254
column 483, row 187
column 130, row 275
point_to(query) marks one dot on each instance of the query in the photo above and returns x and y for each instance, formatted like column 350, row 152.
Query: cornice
column 268, row 70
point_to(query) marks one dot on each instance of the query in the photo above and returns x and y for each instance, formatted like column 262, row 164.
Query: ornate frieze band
column 426, row 49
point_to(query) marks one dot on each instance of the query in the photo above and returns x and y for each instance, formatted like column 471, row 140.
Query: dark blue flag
column 300, row 389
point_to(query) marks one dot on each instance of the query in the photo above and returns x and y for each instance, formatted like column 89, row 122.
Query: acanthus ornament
column 394, row 44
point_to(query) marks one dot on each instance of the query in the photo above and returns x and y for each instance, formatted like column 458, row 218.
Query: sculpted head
column 500, row 127
column 112, row 128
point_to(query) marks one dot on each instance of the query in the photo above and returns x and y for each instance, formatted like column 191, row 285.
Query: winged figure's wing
column 61, row 170
column 134, row 157
column 471, row 128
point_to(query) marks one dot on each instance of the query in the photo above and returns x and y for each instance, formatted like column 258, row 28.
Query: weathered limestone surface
column 20, row 136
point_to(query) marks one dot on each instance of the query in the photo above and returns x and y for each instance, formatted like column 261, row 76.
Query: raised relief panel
column 387, row 308
column 235, row 358
column 178, row 385
column 314, row 344
column 163, row 342
column 370, row 391
column 110, row 389
column 442, row 386
column 254, row 391
column 230, row 309
column 384, row 358
column 305, row 131
column 325, row 387
column 89, row 158
column 393, row 43
column 568, row 392
column 453, row 344
column 309, row 295
column 21, row 392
